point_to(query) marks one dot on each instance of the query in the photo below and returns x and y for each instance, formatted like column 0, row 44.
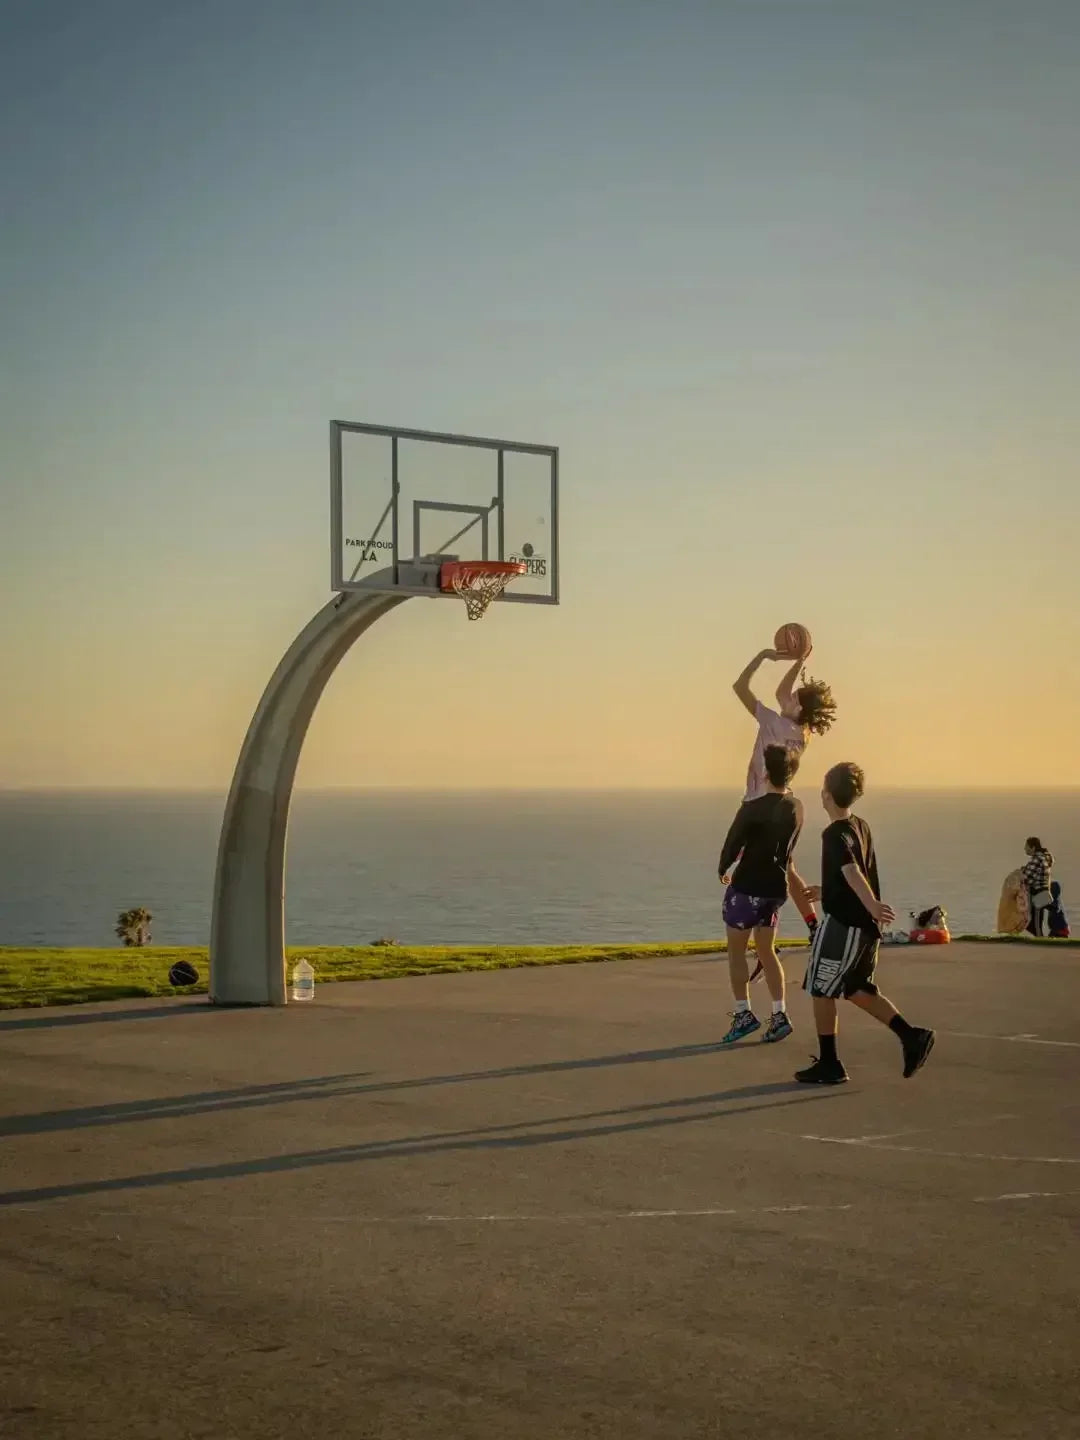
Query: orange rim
column 454, row 573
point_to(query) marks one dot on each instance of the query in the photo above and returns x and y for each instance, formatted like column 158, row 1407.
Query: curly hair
column 817, row 708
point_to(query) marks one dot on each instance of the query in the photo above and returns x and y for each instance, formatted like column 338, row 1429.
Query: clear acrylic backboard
column 403, row 502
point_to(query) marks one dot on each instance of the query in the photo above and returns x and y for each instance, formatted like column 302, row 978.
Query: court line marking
column 517, row 1218
column 860, row 1139
column 871, row 1140
column 609, row 1216
column 917, row 1130
column 943, row 1154
column 1027, row 1039
column 1023, row 1195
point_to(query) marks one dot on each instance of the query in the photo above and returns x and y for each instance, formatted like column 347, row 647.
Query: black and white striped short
column 843, row 959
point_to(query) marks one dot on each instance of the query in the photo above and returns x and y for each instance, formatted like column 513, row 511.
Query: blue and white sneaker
column 780, row 1027
column 743, row 1023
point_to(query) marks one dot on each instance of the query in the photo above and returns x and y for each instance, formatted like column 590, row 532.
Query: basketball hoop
column 479, row 582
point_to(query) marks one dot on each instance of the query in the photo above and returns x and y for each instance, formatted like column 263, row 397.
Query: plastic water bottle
column 303, row 981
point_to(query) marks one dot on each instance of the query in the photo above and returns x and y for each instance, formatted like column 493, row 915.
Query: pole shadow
column 256, row 1097
column 149, row 1012
column 517, row 1135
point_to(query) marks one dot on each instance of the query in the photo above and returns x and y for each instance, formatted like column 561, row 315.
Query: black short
column 843, row 960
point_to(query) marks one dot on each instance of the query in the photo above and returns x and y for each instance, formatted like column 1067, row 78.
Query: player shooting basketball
column 803, row 710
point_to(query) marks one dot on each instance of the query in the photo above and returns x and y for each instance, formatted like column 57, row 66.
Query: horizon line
column 223, row 790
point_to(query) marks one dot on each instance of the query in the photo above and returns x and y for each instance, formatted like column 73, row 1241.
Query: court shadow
column 24, row 1021
column 257, row 1097
column 517, row 1135
column 199, row 1102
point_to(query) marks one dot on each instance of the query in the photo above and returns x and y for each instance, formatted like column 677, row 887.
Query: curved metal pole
column 247, row 932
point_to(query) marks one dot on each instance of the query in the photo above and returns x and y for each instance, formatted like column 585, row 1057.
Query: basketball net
column 478, row 590
column 479, row 582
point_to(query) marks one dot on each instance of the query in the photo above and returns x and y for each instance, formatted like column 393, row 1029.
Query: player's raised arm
column 742, row 684
column 785, row 691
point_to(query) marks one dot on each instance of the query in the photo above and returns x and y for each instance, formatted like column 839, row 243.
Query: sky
column 793, row 287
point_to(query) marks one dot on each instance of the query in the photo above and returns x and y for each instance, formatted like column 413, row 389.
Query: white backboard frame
column 405, row 571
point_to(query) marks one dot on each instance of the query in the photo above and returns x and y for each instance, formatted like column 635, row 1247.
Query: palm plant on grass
column 133, row 926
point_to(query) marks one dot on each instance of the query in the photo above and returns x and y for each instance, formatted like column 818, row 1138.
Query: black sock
column 828, row 1049
column 899, row 1026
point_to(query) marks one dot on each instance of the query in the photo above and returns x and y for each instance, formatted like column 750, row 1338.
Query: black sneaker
column 822, row 1073
column 917, row 1049
column 780, row 1027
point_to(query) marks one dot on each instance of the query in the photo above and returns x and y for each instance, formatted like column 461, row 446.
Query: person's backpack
column 1057, row 922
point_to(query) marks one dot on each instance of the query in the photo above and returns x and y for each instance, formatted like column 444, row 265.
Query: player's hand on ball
column 883, row 914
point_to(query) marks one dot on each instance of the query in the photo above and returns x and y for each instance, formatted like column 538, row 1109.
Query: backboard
column 404, row 501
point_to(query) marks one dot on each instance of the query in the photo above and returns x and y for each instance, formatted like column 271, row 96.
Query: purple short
column 750, row 912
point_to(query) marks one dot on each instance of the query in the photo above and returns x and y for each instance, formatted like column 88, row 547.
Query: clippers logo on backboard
column 534, row 564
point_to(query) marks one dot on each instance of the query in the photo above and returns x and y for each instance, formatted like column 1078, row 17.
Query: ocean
column 486, row 867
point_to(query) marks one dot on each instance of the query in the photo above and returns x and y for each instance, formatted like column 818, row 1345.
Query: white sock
column 778, row 1007
column 741, row 1007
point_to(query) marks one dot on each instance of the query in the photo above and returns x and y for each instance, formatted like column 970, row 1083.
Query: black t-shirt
column 848, row 842
column 764, row 832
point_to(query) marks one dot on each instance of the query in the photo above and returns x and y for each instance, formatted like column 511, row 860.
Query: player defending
column 843, row 957
column 804, row 711
column 762, row 838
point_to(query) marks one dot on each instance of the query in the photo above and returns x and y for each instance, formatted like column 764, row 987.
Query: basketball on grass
column 792, row 642
column 183, row 973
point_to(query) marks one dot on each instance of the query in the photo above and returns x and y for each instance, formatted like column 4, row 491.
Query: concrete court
column 541, row 1204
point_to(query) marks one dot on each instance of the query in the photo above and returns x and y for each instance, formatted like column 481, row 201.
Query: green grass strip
column 36, row 977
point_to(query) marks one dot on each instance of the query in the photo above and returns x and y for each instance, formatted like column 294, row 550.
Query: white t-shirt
column 773, row 729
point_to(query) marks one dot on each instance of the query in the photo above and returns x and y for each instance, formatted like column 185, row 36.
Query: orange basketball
column 793, row 642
